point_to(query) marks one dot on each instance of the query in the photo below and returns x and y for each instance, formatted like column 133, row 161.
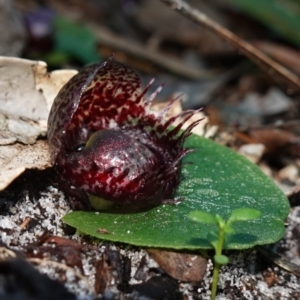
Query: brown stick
column 247, row 49
column 108, row 38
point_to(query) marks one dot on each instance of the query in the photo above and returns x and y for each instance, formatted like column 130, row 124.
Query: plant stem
column 215, row 281
column 217, row 266
column 220, row 241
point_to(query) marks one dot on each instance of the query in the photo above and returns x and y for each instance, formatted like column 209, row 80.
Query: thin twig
column 247, row 49
column 25, row 223
column 108, row 38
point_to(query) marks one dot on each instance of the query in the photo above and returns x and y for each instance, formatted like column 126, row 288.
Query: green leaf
column 221, row 259
column 75, row 40
column 281, row 16
column 220, row 220
column 203, row 217
column 244, row 214
column 219, row 181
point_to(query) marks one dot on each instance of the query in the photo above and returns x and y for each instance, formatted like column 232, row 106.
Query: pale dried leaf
column 7, row 138
column 253, row 152
column 18, row 95
column 50, row 84
column 15, row 159
column 24, row 131
column 289, row 172
column 27, row 92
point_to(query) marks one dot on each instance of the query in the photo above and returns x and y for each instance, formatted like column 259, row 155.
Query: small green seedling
column 217, row 238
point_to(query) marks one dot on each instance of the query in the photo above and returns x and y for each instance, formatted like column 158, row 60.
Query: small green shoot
column 217, row 238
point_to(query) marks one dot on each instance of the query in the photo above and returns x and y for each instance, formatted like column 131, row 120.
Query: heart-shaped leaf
column 244, row 214
column 203, row 217
column 219, row 181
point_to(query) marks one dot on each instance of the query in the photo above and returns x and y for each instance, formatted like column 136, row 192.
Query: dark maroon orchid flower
column 106, row 141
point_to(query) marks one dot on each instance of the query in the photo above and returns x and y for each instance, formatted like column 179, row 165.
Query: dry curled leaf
column 26, row 95
column 253, row 152
column 18, row 95
column 181, row 266
column 27, row 90
column 49, row 84
column 15, row 159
